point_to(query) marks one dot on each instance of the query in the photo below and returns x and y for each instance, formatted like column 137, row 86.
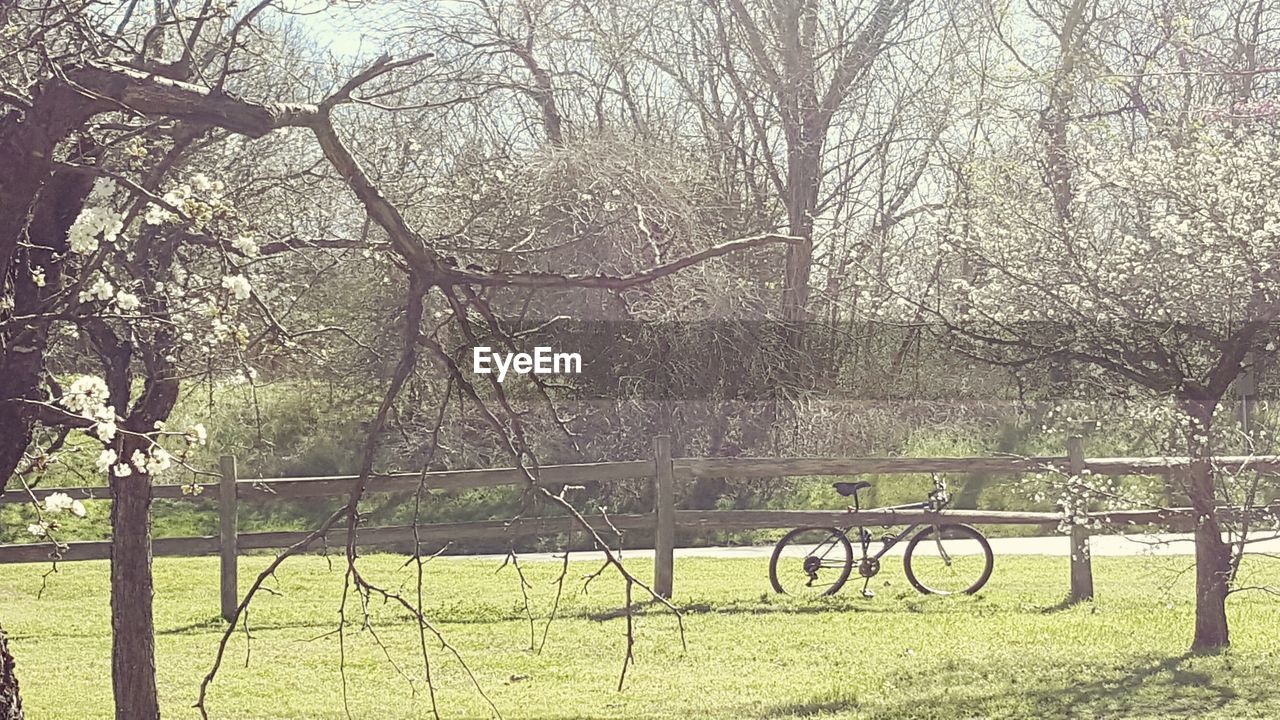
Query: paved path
column 1056, row 546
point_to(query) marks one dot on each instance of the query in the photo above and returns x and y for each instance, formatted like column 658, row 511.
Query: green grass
column 1012, row 652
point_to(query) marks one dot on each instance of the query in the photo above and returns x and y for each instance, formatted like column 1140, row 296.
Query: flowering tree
column 115, row 257
column 1164, row 278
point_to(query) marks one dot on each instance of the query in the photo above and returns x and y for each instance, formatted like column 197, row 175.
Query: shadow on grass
column 1065, row 603
column 1163, row 688
column 216, row 625
column 211, row 623
column 782, row 605
column 820, row 706
column 730, row 609
column 766, row 605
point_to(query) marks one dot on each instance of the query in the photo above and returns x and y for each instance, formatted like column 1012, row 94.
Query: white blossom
column 100, row 289
column 57, row 502
column 91, row 223
column 201, row 183
column 85, row 396
column 103, row 189
column 159, row 461
column 246, row 244
column 198, row 434
column 127, row 302
column 238, row 285
column 106, row 459
column 105, row 423
column 105, row 430
column 157, row 215
column 177, row 196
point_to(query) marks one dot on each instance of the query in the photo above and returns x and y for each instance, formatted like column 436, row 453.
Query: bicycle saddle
column 851, row 488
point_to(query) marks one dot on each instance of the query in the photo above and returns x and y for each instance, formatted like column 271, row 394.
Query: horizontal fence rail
column 303, row 487
column 682, row 469
column 690, row 468
column 663, row 472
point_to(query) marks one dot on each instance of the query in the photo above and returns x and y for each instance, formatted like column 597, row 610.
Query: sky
column 345, row 32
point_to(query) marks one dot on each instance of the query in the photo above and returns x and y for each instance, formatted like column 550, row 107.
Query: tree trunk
column 1213, row 556
column 23, row 344
column 803, row 178
column 1213, row 568
column 10, row 699
column 16, row 436
column 133, row 656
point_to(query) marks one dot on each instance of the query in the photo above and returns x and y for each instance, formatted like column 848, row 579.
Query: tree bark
column 1213, row 568
column 803, row 180
column 133, row 656
column 10, row 698
column 1213, row 556
column 23, row 345
column 1057, row 118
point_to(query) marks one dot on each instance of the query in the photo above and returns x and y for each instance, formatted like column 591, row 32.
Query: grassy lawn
column 1013, row 651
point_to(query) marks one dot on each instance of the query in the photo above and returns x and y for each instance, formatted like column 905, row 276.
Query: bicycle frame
column 864, row 535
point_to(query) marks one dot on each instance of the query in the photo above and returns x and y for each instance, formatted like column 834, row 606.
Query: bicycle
column 941, row 559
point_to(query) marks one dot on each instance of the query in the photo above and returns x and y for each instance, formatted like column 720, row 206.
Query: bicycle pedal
column 868, row 593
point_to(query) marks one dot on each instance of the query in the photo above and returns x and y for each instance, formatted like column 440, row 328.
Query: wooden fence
column 662, row 470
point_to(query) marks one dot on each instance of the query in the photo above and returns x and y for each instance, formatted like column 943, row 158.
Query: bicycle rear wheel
column 948, row 559
column 811, row 561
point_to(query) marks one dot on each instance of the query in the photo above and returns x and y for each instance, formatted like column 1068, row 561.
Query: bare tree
column 805, row 60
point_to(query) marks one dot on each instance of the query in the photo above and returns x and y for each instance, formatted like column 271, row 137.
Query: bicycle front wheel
column 811, row 561
column 948, row 559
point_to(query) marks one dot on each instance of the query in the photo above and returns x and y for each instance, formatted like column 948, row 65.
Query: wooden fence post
column 1081, row 561
column 664, row 509
column 1248, row 383
column 230, row 591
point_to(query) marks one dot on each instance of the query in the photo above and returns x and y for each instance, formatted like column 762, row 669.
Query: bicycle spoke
column 942, row 552
column 810, row 562
column 949, row 559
